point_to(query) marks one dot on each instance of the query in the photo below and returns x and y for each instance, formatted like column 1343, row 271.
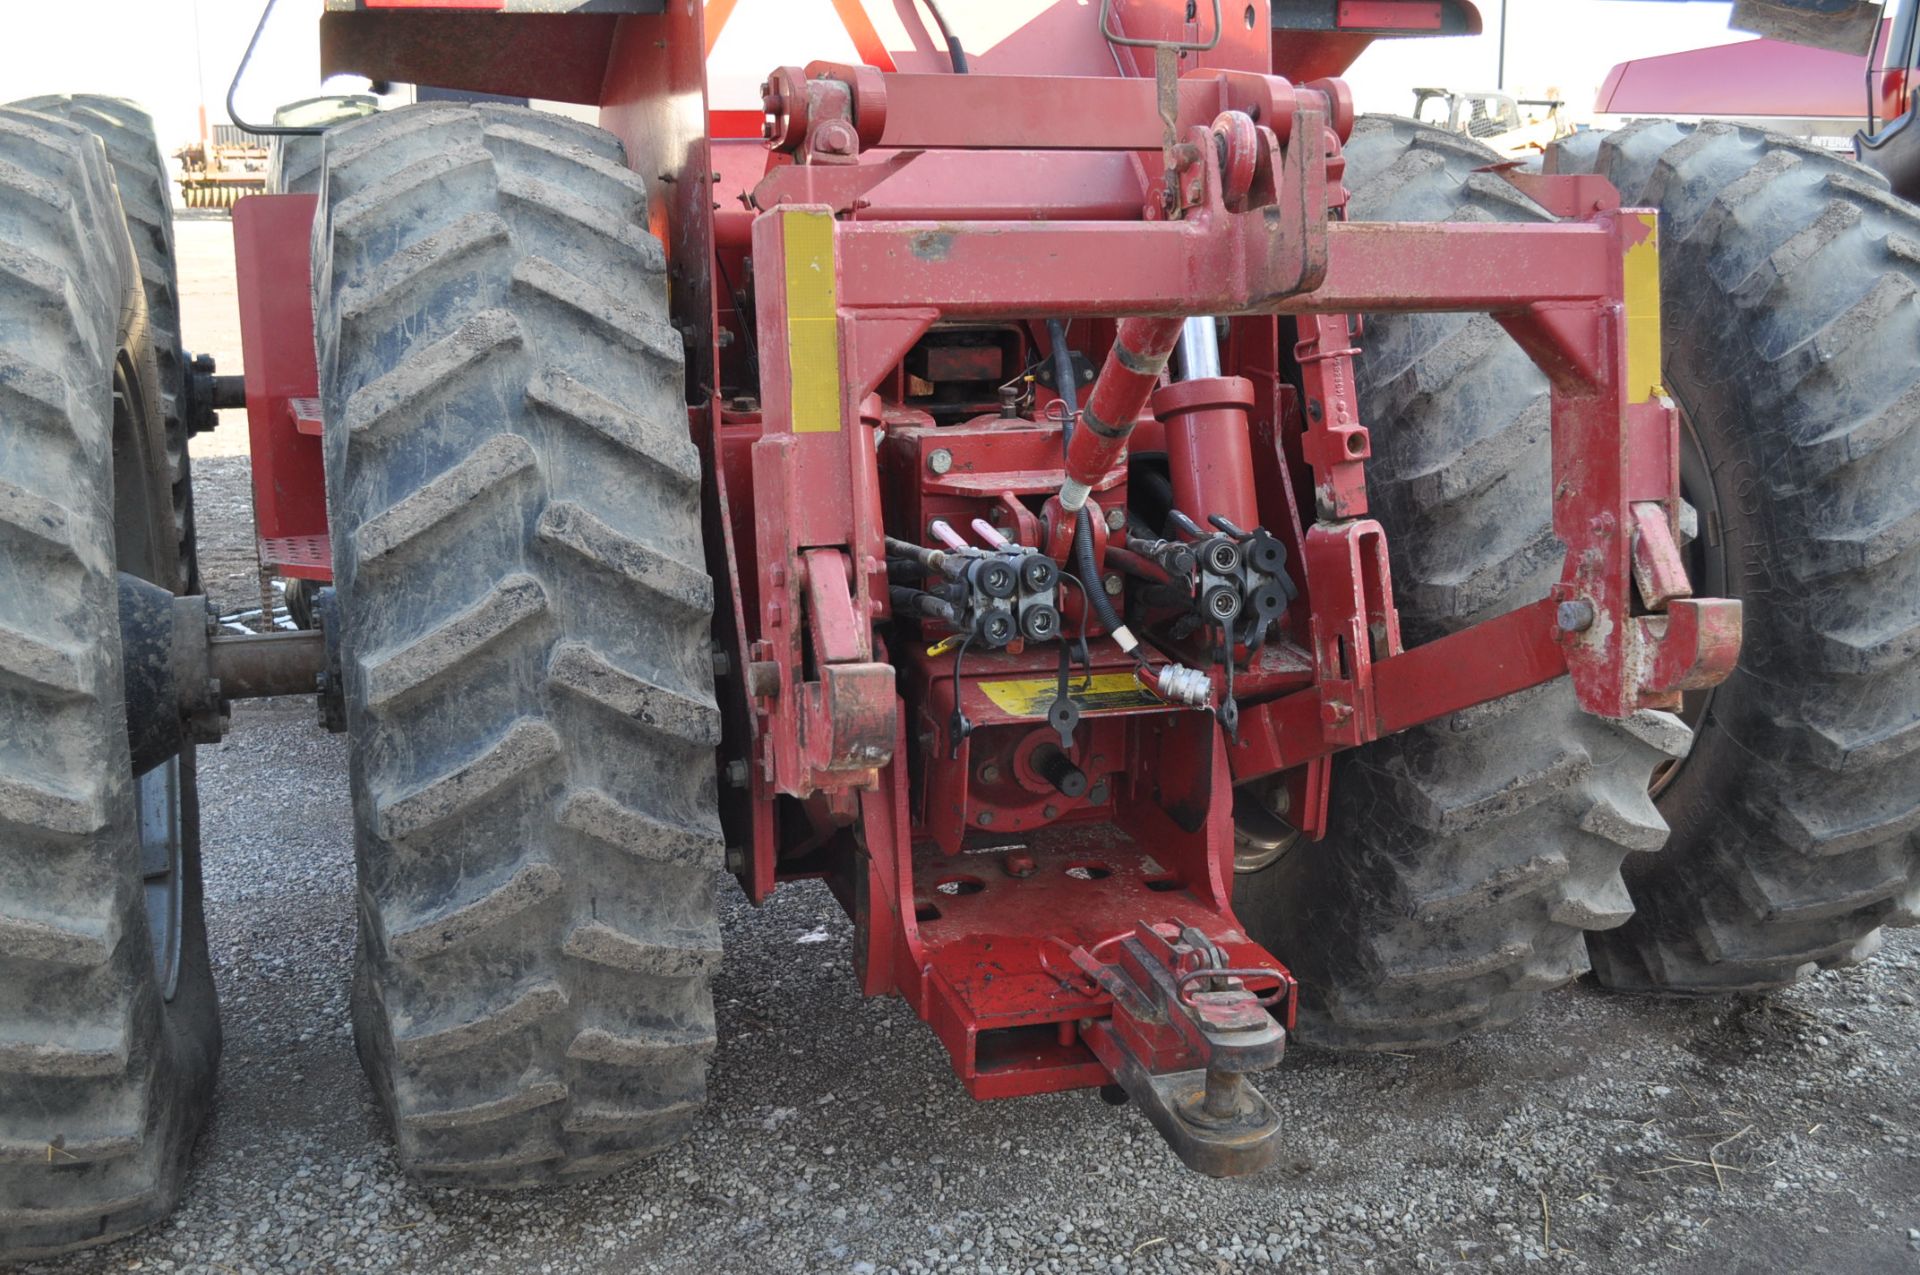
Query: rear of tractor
column 1185, row 567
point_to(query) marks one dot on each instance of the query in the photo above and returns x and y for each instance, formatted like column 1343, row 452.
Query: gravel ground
column 1604, row 1133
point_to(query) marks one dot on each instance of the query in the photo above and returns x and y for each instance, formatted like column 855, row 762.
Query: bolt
column 1019, row 864
column 738, row 773
column 1112, row 584
column 940, row 461
column 1116, row 519
column 989, row 774
column 986, row 818
column 1575, row 616
column 1098, row 795
column 835, row 138
column 1051, row 811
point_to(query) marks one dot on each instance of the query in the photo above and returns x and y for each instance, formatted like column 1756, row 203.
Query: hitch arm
column 1185, row 1033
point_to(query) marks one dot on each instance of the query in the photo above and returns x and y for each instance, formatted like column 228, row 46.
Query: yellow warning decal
column 1643, row 312
column 813, row 322
column 1032, row 696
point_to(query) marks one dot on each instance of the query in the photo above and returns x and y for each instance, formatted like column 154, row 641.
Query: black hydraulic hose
column 955, row 54
column 1150, row 492
column 1063, row 378
column 1089, row 572
column 1084, row 563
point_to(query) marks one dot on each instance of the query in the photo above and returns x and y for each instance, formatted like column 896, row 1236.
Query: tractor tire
column 109, row 1034
column 1467, row 859
column 133, row 148
column 1791, row 285
column 515, row 508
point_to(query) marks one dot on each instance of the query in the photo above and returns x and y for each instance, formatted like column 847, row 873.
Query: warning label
column 1032, row 696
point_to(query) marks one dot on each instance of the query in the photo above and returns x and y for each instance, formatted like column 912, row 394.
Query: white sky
column 145, row 49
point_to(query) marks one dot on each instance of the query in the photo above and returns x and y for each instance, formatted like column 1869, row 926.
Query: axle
column 181, row 675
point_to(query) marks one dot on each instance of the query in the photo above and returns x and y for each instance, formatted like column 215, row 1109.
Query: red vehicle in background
column 1822, row 67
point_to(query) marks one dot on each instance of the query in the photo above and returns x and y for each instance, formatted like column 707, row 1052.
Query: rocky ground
column 1604, row 1134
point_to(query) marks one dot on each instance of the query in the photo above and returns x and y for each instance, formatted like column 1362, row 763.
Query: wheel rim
column 1706, row 569
column 157, row 813
column 1261, row 835
column 157, row 798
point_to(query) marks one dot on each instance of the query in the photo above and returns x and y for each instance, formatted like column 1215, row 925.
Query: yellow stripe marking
column 813, row 322
column 1643, row 313
column 1031, row 697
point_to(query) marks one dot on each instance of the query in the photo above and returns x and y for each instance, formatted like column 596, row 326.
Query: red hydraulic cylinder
column 1139, row 355
column 1209, row 448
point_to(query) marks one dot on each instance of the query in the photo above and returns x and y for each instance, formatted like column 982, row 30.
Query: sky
column 149, row 50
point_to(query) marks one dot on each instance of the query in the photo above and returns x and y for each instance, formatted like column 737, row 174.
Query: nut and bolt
column 1113, row 585
column 1116, row 519
column 940, row 460
column 1019, row 864
column 1575, row 616
column 986, row 819
column 835, row 138
column 989, row 774
column 1098, row 794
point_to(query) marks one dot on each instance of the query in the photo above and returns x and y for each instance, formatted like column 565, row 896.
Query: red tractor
column 1186, row 567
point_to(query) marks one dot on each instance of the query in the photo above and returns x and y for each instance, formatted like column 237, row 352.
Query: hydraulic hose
column 1140, row 350
column 1085, row 565
column 956, row 54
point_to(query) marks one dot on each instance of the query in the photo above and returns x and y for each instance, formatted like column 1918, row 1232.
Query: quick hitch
column 1185, row 1032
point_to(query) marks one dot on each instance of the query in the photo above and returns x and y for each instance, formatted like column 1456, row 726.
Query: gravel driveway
column 1604, row 1134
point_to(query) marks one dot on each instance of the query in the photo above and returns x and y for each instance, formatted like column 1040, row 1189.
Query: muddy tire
column 108, row 1031
column 1791, row 283
column 140, row 174
column 515, row 507
column 1466, row 860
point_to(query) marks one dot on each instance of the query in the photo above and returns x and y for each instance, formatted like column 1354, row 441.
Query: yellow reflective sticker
column 1031, row 697
column 1643, row 313
column 813, row 322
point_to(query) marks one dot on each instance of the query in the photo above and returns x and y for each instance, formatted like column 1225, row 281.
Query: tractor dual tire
column 109, row 1035
column 140, row 174
column 1465, row 860
column 1791, row 306
column 515, row 508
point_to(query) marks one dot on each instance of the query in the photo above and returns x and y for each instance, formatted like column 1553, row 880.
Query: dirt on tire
column 1791, row 306
column 140, row 175
column 1466, row 860
column 109, row 1035
column 517, row 552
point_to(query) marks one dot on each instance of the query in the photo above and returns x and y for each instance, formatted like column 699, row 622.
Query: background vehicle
column 221, row 168
column 1824, row 70
column 1512, row 126
column 1294, row 631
